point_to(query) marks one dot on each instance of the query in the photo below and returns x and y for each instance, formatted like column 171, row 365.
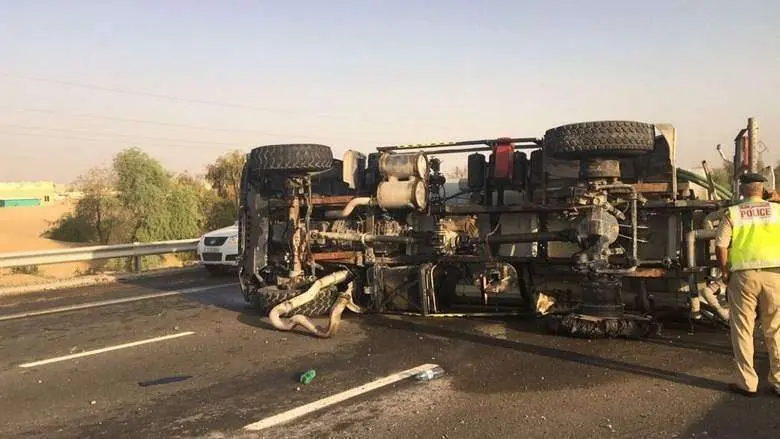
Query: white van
column 218, row 249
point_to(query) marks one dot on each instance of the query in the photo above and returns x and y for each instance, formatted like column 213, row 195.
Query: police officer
column 748, row 250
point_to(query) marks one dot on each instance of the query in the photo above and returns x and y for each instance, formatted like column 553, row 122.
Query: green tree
column 134, row 200
column 186, row 214
column 220, row 212
column 100, row 206
column 777, row 176
column 143, row 186
column 137, row 200
column 217, row 211
column 723, row 175
column 98, row 216
column 224, row 175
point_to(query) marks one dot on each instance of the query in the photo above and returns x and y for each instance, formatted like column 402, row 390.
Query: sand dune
column 21, row 229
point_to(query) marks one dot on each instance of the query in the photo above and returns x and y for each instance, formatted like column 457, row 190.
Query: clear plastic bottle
column 430, row 374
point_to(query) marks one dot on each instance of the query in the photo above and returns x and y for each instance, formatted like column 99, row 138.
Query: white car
column 218, row 249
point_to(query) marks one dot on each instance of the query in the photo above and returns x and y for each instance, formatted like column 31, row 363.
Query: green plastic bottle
column 308, row 376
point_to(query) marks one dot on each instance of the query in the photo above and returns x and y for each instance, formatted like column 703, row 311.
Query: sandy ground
column 21, row 229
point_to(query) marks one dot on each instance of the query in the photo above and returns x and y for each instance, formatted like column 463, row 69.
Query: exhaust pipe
column 708, row 294
column 353, row 203
column 288, row 324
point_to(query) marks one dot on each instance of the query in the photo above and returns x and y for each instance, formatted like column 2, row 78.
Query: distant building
column 27, row 193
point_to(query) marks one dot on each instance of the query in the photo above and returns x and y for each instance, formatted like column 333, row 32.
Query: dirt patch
column 21, row 229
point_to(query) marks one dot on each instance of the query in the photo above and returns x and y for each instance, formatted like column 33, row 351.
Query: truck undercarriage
column 592, row 227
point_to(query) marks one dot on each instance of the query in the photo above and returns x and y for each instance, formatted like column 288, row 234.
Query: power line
column 180, row 125
column 99, row 133
column 190, row 143
column 92, row 139
column 197, row 101
column 80, row 139
column 147, row 94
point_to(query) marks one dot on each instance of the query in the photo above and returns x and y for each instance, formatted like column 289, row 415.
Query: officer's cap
column 751, row 177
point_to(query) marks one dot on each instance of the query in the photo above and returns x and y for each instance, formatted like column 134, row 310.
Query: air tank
column 407, row 194
column 403, row 166
column 476, row 170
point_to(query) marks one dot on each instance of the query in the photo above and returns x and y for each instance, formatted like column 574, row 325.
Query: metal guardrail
column 79, row 254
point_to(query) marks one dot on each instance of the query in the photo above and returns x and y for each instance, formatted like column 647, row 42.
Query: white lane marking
column 111, row 302
column 334, row 399
column 108, row 349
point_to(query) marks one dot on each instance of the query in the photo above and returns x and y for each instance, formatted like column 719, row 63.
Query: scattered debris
column 166, row 380
column 430, row 374
column 308, row 376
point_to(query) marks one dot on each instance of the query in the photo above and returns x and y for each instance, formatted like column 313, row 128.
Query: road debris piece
column 430, row 374
column 308, row 376
column 166, row 380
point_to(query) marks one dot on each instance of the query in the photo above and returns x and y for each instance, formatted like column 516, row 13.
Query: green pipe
column 690, row 176
column 699, row 179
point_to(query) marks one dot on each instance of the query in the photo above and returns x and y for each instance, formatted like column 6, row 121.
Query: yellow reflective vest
column 755, row 235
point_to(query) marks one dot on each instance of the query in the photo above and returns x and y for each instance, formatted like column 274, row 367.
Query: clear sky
column 189, row 80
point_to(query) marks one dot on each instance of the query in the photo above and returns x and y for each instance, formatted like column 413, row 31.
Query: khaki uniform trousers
column 750, row 291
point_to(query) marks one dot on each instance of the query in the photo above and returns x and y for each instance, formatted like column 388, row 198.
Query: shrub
column 25, row 269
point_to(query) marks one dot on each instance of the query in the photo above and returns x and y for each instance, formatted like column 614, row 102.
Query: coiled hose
column 344, row 301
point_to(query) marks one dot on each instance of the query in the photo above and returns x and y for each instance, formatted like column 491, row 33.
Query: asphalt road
column 504, row 377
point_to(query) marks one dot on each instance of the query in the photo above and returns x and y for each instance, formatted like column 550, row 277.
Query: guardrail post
column 137, row 264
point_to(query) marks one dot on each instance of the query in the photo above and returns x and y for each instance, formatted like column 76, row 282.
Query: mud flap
column 257, row 235
column 253, row 230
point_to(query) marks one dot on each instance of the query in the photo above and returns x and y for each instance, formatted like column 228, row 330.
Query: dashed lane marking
column 106, row 349
column 112, row 302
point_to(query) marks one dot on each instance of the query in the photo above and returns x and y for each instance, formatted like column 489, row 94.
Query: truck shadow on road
column 719, row 341
column 739, row 417
column 549, row 352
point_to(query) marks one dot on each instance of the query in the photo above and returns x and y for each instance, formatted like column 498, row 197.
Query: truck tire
column 264, row 299
column 616, row 139
column 290, row 159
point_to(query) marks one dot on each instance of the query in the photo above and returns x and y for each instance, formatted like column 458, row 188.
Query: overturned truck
column 592, row 227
